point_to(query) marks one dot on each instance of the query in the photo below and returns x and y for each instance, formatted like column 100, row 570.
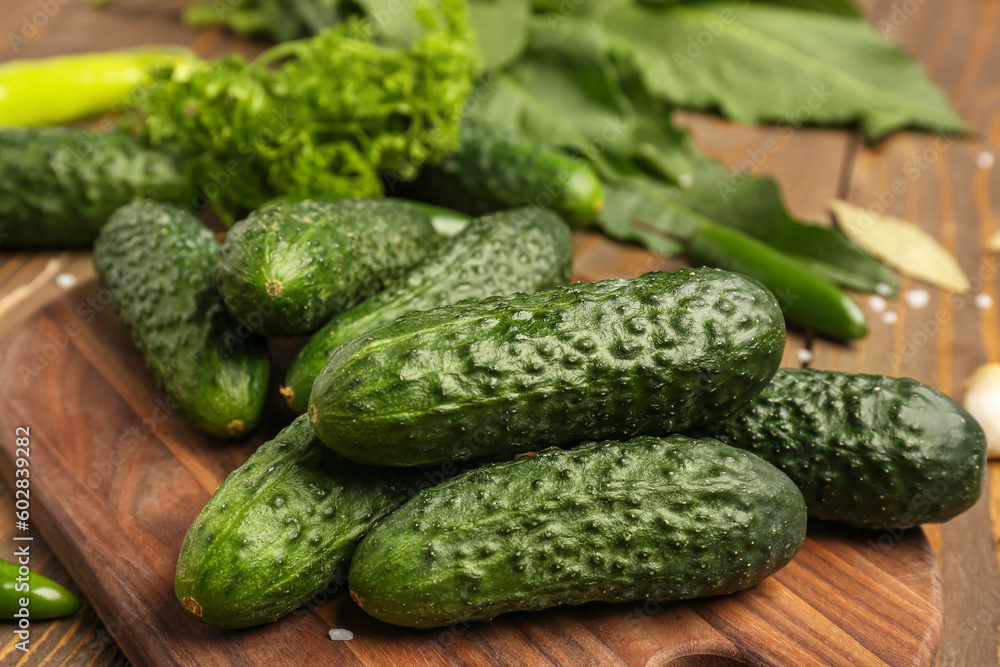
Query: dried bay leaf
column 902, row 245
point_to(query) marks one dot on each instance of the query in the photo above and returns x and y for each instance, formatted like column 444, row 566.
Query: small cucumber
column 158, row 261
column 873, row 451
column 493, row 169
column 654, row 355
column 288, row 268
column 520, row 250
column 280, row 528
column 60, row 185
column 662, row 519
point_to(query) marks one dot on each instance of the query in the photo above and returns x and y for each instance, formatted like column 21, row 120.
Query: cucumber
column 662, row 519
column 158, row 262
column 872, row 451
column 60, row 185
column 280, row 528
column 288, row 268
column 657, row 354
column 521, row 250
column 493, row 169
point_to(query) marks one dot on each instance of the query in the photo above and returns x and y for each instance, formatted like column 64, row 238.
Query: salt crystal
column 917, row 298
column 341, row 634
column 66, row 280
column 876, row 303
column 985, row 160
column 890, row 318
column 983, row 301
column 804, row 355
column 883, row 289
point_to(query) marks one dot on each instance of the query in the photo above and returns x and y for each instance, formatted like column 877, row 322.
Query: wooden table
column 947, row 188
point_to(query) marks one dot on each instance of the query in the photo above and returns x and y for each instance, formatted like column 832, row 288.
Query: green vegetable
column 520, row 250
column 661, row 519
column 159, row 263
column 573, row 90
column 815, row 67
column 45, row 598
column 60, row 185
column 657, row 354
column 322, row 117
column 840, row 7
column 56, row 91
column 287, row 269
column 805, row 299
column 493, row 170
column 873, row 451
column 280, row 528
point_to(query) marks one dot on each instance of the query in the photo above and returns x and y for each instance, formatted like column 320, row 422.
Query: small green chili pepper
column 806, row 299
column 56, row 91
column 46, row 598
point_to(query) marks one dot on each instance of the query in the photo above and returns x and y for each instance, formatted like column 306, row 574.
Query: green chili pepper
column 806, row 298
column 56, row 91
column 46, row 598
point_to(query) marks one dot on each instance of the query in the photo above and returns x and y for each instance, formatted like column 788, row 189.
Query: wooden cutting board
column 115, row 482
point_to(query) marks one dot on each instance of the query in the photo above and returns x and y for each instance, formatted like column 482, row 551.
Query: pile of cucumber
column 476, row 436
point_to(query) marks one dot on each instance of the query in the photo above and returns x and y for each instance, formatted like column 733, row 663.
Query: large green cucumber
column 520, row 250
column 280, row 528
column 158, row 262
column 60, row 185
column 654, row 355
column 662, row 519
column 493, row 169
column 288, row 268
column 870, row 450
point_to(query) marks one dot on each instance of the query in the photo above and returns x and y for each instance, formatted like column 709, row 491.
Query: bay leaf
column 902, row 245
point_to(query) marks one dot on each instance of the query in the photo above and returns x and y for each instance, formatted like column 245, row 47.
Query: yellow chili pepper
column 60, row 90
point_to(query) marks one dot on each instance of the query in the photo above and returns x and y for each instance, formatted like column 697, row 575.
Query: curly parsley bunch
column 319, row 117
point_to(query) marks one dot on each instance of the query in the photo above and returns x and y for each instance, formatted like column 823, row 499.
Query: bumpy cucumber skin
column 493, row 170
column 288, row 268
column 60, row 185
column 521, row 250
column 280, row 528
column 872, row 451
column 159, row 263
column 663, row 519
column 654, row 355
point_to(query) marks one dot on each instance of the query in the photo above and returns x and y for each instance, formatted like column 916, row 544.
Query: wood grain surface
column 951, row 197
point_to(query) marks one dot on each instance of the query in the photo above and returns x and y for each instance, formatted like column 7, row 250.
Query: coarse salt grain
column 876, row 303
column 890, row 317
column 917, row 298
column 341, row 634
column 983, row 301
column 66, row 280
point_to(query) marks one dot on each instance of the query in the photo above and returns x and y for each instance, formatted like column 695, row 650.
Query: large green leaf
column 501, row 28
column 763, row 62
column 563, row 91
column 662, row 217
column 500, row 25
column 841, row 7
